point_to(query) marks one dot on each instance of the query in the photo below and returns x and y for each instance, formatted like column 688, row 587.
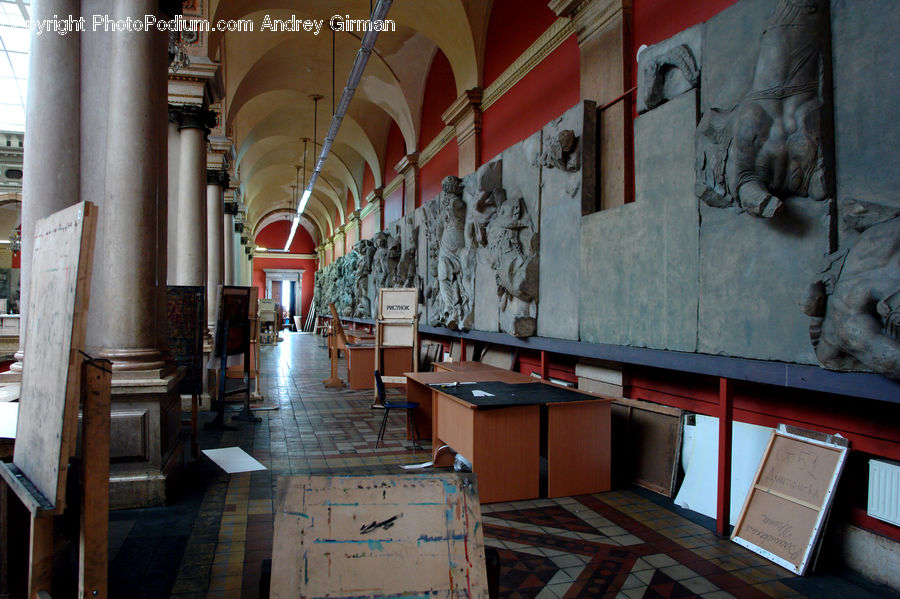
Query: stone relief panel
column 365, row 249
column 854, row 301
column 432, row 217
column 774, row 143
column 668, row 69
column 455, row 268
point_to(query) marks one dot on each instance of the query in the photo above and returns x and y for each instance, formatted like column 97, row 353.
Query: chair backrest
column 379, row 385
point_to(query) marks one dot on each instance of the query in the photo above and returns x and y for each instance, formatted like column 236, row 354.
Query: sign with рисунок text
column 397, row 304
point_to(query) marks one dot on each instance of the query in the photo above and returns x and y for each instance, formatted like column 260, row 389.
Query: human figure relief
column 366, row 250
column 769, row 146
column 455, row 301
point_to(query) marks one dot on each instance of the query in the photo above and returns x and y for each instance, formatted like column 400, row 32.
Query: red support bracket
column 723, row 495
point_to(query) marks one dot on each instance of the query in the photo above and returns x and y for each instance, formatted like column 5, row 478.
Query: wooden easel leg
column 335, row 381
column 40, row 566
column 94, row 543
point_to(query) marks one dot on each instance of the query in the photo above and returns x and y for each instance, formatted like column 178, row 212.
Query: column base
column 146, row 453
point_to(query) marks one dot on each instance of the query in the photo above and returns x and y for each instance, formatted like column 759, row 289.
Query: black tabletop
column 500, row 394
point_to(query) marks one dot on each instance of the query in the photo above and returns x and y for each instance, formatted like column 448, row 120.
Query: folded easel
column 55, row 377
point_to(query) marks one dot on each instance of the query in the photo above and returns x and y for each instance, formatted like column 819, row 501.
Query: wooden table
column 361, row 364
column 503, row 443
column 464, row 367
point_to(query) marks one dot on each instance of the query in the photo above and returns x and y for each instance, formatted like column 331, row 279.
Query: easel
column 336, row 341
column 186, row 321
column 54, row 376
column 397, row 326
column 232, row 339
column 235, row 372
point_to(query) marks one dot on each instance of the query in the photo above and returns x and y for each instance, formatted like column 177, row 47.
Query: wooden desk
column 361, row 364
column 503, row 441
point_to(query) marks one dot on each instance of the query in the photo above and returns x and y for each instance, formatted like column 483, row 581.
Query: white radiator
column 884, row 491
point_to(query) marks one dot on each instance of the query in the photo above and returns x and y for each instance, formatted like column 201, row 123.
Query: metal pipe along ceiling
column 359, row 65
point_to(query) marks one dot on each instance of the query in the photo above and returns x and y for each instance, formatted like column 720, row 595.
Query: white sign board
column 397, row 304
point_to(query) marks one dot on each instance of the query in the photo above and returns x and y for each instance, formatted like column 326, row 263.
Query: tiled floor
column 213, row 539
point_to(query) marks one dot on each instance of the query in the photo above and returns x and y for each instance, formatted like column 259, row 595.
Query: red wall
column 440, row 93
column 393, row 207
column 275, row 236
column 509, row 34
column 367, row 186
column 445, row 162
column 551, row 88
column 395, row 150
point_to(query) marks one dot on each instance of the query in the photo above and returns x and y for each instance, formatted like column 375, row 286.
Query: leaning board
column 378, row 536
column 54, row 333
column 785, row 509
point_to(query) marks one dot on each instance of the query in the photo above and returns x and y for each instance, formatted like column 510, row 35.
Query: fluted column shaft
column 125, row 290
column 216, row 182
column 53, row 114
column 174, row 160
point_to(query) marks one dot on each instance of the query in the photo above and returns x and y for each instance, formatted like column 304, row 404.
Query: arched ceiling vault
column 269, row 79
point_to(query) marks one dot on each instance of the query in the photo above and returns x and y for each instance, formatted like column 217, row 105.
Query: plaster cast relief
column 432, row 292
column 769, row 146
column 407, row 273
column 855, row 301
column 455, row 268
column 366, row 251
column 561, row 151
column 667, row 75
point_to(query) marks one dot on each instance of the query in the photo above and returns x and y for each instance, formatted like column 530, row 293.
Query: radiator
column 884, row 491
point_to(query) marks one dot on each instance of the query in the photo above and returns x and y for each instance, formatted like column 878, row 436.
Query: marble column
column 464, row 115
column 231, row 209
column 123, row 293
column 52, row 162
column 174, row 160
column 194, row 123
column 216, row 183
column 408, row 168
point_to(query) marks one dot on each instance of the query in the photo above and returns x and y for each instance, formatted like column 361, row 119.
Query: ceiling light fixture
column 359, row 65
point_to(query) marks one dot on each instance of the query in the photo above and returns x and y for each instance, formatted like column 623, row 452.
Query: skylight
column 15, row 42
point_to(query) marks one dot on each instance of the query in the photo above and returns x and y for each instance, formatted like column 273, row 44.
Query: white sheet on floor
column 233, row 460
column 9, row 415
column 700, row 460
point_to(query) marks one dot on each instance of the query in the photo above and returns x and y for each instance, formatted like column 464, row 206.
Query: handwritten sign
column 785, row 509
column 378, row 536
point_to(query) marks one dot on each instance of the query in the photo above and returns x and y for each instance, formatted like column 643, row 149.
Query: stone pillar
column 353, row 229
column 123, row 322
column 231, row 209
column 52, row 162
column 194, row 124
column 464, row 115
column 377, row 198
column 216, row 183
column 603, row 28
column 408, row 168
column 174, row 161
column 339, row 242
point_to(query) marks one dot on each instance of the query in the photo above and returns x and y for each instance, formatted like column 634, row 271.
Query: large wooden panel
column 784, row 514
column 54, row 334
column 507, row 453
column 378, row 536
column 455, row 426
column 578, row 448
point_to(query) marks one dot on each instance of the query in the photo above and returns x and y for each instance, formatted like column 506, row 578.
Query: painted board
column 54, row 334
column 397, row 304
column 785, row 510
column 233, row 309
column 378, row 536
column 186, row 322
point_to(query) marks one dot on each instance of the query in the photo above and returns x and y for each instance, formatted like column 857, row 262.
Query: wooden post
column 723, row 497
column 545, row 366
column 334, row 381
column 94, row 544
column 40, row 566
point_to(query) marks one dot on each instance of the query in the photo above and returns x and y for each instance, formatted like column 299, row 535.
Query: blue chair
column 409, row 406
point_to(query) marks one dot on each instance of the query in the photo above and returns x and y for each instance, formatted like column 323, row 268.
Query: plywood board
column 54, row 334
column 186, row 322
column 378, row 536
column 647, row 441
column 397, row 304
column 787, row 504
column 397, row 334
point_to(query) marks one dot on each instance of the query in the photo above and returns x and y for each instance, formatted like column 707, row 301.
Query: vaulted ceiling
column 269, row 79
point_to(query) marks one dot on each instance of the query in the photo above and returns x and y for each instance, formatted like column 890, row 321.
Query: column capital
column 410, row 161
column 217, row 177
column 465, row 114
column 232, row 209
column 590, row 16
column 353, row 217
column 192, row 117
